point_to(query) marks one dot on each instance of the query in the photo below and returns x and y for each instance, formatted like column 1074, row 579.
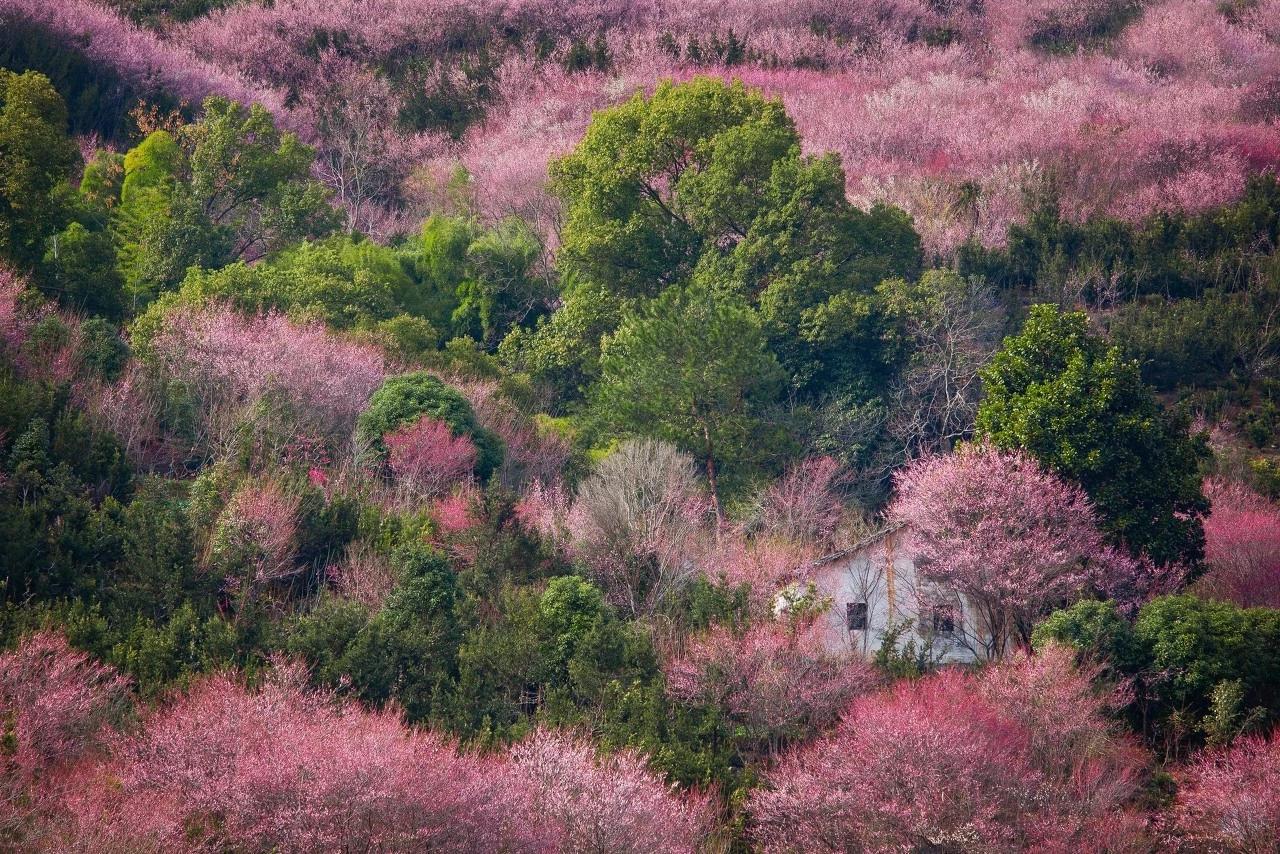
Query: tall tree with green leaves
column 691, row 367
column 230, row 186
column 36, row 158
column 1057, row 391
column 705, row 181
column 658, row 180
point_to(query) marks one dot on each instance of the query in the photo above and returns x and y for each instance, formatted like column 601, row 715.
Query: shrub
column 960, row 762
column 405, row 398
column 1229, row 799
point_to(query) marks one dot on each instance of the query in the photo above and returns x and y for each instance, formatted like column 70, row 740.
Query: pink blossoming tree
column 994, row 526
column 1242, row 546
column 1229, row 799
column 779, row 681
column 804, row 506
column 612, row 804
column 285, row 378
column 58, row 703
column 638, row 523
column 955, row 761
column 426, row 459
column 278, row 769
column 255, row 539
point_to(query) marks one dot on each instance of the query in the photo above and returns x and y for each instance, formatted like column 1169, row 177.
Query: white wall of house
column 880, row 574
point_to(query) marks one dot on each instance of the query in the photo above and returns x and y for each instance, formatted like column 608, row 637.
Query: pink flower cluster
column 779, row 681
column 1019, row 758
column 260, row 524
column 804, row 506
column 426, row 458
column 364, row 575
column 638, row 523
column 21, row 309
column 613, row 803
column 12, row 321
column 1229, row 799
column 456, row 512
column 530, row 454
column 231, row 364
column 279, row 768
column 56, row 703
column 1242, row 546
column 764, row 565
column 1015, row 539
column 57, row 700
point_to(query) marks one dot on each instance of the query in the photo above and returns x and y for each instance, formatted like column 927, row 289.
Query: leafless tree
column 361, row 154
column 953, row 335
column 638, row 522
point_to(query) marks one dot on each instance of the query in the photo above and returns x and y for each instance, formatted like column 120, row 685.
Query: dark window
column 855, row 614
column 944, row 621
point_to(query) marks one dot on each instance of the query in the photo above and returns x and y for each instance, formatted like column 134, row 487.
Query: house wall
column 883, row 575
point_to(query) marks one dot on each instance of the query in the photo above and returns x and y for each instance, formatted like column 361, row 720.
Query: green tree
column 309, row 280
column 404, row 398
column 80, row 269
column 563, row 350
column 705, row 181
column 406, row 651
column 37, row 160
column 656, row 180
column 568, row 610
column 62, row 485
column 230, row 186
column 253, row 180
column 102, row 349
column 813, row 261
column 476, row 281
column 691, row 367
column 502, row 288
column 1060, row 393
column 1097, row 631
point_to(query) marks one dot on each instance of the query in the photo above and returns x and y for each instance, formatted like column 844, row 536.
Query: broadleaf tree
column 691, row 367
column 1057, row 391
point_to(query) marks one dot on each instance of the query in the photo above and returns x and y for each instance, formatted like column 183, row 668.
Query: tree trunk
column 711, row 478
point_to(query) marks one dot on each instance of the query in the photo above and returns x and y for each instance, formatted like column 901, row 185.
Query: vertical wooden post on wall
column 889, row 577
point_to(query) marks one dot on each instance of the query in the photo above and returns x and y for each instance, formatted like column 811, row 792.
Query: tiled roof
column 861, row 544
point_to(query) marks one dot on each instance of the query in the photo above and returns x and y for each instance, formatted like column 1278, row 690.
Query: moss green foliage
column 1175, row 256
column 311, row 280
column 404, row 651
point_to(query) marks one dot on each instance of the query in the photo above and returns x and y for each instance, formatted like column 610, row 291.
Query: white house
column 872, row 587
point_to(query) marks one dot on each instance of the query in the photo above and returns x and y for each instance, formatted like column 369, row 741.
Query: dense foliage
column 426, row 424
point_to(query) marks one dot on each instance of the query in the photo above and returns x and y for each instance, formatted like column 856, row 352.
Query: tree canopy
column 1057, row 391
column 38, row 159
column 690, row 367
